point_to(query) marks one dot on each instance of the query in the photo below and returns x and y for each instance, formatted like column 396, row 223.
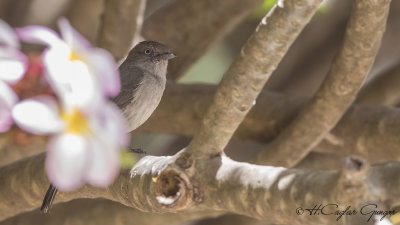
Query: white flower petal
column 72, row 81
column 66, row 161
column 72, row 37
column 7, row 35
column 103, row 66
column 11, row 70
column 104, row 163
column 38, row 115
column 112, row 122
column 57, row 63
column 7, row 95
column 39, row 35
column 84, row 91
column 13, row 64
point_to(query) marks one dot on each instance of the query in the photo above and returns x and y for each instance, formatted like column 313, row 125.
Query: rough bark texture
column 349, row 69
column 246, row 77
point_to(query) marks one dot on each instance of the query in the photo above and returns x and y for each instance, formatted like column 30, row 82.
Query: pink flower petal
column 5, row 117
column 7, row 95
column 72, row 37
column 38, row 115
column 104, row 163
column 7, row 100
column 13, row 65
column 7, row 35
column 67, row 160
column 103, row 66
column 39, row 35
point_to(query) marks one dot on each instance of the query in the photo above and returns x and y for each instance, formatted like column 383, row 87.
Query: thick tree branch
column 205, row 22
column 304, row 66
column 122, row 21
column 368, row 131
column 103, row 212
column 164, row 184
column 361, row 44
column 85, row 17
column 11, row 150
column 246, row 77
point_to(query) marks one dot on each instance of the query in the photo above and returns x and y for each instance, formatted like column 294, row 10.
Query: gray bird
column 143, row 77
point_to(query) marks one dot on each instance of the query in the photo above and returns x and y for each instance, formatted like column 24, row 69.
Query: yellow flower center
column 76, row 122
column 74, row 56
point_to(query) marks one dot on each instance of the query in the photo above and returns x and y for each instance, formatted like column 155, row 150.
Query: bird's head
column 150, row 54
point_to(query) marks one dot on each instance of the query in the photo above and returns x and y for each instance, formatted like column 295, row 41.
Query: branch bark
column 245, row 78
column 85, row 17
column 339, row 89
column 368, row 131
column 206, row 22
column 121, row 24
column 102, row 212
column 362, row 130
column 164, row 184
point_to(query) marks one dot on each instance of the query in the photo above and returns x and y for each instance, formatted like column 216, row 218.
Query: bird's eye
column 147, row 51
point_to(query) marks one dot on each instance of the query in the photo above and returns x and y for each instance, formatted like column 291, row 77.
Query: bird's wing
column 131, row 77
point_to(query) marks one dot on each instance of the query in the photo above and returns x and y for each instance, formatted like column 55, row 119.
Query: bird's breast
column 145, row 101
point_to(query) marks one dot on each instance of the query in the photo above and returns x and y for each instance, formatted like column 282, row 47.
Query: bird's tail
column 48, row 199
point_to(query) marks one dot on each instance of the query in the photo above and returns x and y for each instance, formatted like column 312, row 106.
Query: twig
column 246, row 77
column 361, row 44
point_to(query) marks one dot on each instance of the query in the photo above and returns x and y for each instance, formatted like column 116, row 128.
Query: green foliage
column 268, row 4
column 128, row 159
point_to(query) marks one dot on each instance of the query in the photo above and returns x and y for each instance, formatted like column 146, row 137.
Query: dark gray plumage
column 143, row 77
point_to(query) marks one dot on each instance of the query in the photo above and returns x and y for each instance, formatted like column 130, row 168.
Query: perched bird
column 143, row 78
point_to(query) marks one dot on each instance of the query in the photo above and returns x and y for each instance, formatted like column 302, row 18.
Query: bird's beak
column 168, row 55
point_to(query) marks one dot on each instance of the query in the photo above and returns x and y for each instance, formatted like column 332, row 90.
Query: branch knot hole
column 173, row 189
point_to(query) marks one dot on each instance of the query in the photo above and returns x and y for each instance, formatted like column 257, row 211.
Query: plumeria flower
column 13, row 63
column 80, row 74
column 12, row 68
column 7, row 100
column 84, row 147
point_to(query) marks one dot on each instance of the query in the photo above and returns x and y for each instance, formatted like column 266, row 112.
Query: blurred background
column 299, row 74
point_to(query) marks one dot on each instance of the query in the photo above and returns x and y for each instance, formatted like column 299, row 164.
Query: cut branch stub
column 174, row 190
column 166, row 186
